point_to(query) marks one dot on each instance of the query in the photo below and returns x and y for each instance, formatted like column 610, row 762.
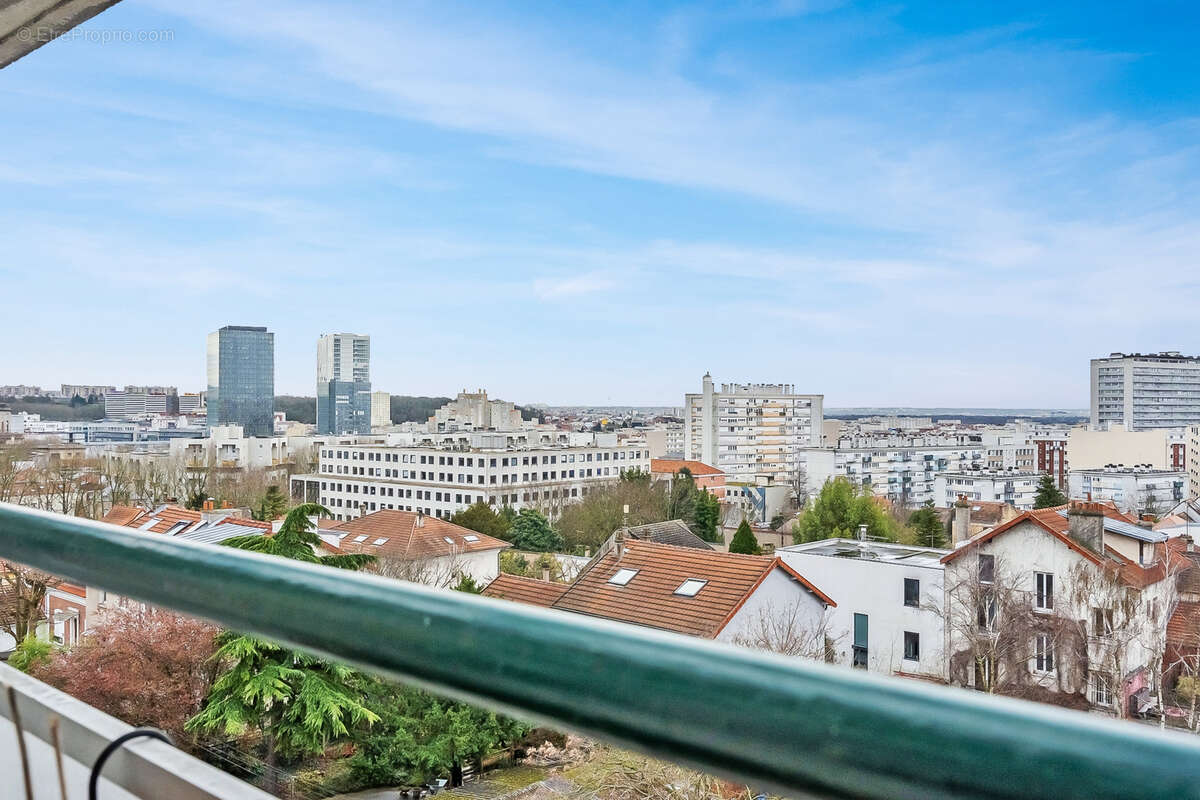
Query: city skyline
column 887, row 205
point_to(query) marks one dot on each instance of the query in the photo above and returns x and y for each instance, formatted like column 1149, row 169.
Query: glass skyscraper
column 343, row 383
column 241, row 379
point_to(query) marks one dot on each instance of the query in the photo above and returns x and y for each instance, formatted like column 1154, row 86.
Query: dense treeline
column 405, row 408
column 52, row 411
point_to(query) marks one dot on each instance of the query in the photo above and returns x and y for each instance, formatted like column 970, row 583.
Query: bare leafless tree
column 439, row 571
column 787, row 629
column 990, row 625
column 22, row 598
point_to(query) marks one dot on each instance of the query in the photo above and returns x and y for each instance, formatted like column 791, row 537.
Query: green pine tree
column 481, row 518
column 707, row 515
column 273, row 504
column 839, row 510
column 531, row 531
column 1048, row 494
column 927, row 526
column 744, row 541
column 297, row 703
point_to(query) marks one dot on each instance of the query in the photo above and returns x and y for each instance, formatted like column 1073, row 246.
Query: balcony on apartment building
column 776, row 724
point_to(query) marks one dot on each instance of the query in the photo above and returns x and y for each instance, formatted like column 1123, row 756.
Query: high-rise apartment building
column 1157, row 390
column 241, row 379
column 381, row 409
column 129, row 403
column 343, row 383
column 752, row 430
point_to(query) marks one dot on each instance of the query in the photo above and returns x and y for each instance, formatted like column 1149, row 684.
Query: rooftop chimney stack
column 619, row 542
column 960, row 528
column 1086, row 525
column 420, row 519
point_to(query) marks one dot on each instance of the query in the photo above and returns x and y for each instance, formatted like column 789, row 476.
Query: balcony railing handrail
column 800, row 728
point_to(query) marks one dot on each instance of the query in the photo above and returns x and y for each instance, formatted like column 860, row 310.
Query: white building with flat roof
column 1015, row 487
column 750, row 430
column 890, row 612
column 441, row 479
column 474, row 411
column 1136, row 490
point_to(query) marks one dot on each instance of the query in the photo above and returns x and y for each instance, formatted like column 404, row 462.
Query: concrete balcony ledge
column 142, row 768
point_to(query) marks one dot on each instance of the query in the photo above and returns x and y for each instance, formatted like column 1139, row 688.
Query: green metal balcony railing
column 798, row 728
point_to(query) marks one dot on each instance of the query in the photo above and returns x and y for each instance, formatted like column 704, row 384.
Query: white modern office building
column 1144, row 391
column 1015, row 487
column 1135, row 490
column 493, row 468
column 343, row 383
column 752, row 430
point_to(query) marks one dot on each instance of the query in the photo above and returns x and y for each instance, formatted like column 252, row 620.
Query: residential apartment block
column 1015, row 487
column 1135, row 490
column 904, row 472
column 474, row 411
column 343, row 383
column 440, row 479
column 128, row 404
column 381, row 410
column 1160, row 448
column 752, row 430
column 1144, row 391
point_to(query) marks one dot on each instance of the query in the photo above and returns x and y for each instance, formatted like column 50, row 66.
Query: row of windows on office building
column 458, row 500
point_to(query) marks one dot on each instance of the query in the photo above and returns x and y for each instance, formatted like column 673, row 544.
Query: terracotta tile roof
column 670, row 466
column 396, row 534
column 649, row 597
column 673, row 531
column 121, row 515
column 525, row 590
column 168, row 516
column 1189, row 578
column 1183, row 628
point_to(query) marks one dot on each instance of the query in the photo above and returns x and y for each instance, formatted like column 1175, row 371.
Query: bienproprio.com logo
column 43, row 34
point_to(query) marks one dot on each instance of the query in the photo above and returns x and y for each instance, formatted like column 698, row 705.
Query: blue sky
column 921, row 204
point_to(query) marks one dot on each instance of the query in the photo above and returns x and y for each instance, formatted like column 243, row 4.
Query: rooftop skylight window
column 362, row 538
column 690, row 587
column 622, row 577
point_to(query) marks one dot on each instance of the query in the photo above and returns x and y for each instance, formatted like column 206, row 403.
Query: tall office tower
column 752, row 430
column 1157, row 390
column 241, row 379
column 343, row 383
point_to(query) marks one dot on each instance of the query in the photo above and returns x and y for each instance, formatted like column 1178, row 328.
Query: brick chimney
column 1086, row 525
column 960, row 526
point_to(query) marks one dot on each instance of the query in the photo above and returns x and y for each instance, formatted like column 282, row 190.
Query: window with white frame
column 1043, row 653
column 1043, row 595
column 1101, row 689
